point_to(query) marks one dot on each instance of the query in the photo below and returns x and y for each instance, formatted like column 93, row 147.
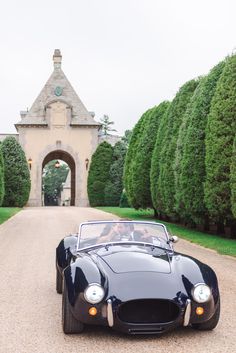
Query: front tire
column 58, row 281
column 210, row 324
column 69, row 323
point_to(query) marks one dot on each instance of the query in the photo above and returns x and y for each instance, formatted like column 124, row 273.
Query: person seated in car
column 122, row 232
column 117, row 232
column 141, row 235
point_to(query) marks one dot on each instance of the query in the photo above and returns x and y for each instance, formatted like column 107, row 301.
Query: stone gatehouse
column 58, row 126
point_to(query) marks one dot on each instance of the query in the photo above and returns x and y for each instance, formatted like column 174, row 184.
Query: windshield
column 94, row 233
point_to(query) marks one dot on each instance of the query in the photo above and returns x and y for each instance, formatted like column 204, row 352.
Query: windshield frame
column 168, row 242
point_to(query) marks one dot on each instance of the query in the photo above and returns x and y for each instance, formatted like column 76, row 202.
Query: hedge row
column 182, row 155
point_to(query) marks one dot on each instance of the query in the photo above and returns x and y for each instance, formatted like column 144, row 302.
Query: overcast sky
column 121, row 56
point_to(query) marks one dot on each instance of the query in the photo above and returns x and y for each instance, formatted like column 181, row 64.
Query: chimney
column 57, row 59
column 23, row 114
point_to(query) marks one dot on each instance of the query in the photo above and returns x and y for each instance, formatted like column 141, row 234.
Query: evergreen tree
column 127, row 137
column 114, row 186
column 2, row 185
column 233, row 180
column 16, row 174
column 174, row 118
column 220, row 134
column 155, row 164
column 98, row 175
column 106, row 125
column 190, row 152
column 179, row 207
column 130, row 155
column 142, row 159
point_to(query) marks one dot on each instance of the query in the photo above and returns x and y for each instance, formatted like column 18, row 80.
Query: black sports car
column 126, row 275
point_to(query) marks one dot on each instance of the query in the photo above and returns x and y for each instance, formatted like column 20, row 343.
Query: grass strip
column 7, row 212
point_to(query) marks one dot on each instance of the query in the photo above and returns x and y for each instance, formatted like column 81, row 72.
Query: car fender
column 80, row 274
column 192, row 271
column 65, row 250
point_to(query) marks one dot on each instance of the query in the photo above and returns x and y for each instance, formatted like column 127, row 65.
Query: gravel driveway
column 30, row 308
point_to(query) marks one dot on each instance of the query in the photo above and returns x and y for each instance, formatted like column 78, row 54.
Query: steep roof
column 57, row 88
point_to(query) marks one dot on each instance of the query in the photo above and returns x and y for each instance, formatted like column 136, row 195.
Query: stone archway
column 58, row 126
column 66, row 157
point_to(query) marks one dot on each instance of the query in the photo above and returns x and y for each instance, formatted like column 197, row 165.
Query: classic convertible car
column 126, row 275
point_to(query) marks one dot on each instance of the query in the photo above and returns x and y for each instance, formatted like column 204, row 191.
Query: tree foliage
column 130, row 157
column 220, row 134
column 233, row 180
column 106, row 125
column 127, row 137
column 155, row 164
column 2, row 184
column 98, row 175
column 190, row 152
column 193, row 164
column 16, row 174
column 114, row 185
column 142, row 159
column 173, row 120
column 53, row 178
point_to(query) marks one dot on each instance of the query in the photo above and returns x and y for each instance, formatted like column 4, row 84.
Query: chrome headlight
column 94, row 293
column 201, row 293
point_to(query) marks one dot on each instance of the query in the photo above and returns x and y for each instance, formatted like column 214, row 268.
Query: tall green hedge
column 173, row 120
column 98, row 175
column 220, row 134
column 114, row 186
column 16, row 174
column 190, row 152
column 155, row 164
column 142, row 159
column 233, row 180
column 177, row 163
column 130, row 156
column 193, row 163
column 2, row 184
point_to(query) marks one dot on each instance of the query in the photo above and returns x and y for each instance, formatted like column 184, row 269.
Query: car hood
column 132, row 260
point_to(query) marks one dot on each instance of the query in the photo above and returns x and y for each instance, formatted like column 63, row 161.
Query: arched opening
column 64, row 159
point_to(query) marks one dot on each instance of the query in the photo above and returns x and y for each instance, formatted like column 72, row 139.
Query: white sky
column 121, row 56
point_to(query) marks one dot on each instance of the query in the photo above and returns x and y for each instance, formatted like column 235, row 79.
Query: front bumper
column 146, row 329
column 108, row 315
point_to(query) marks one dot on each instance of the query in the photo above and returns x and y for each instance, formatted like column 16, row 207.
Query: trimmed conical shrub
column 130, row 157
column 98, row 175
column 173, row 121
column 16, row 174
column 142, row 160
column 155, row 163
column 114, row 186
column 233, row 180
column 220, row 134
column 2, row 184
column 190, row 153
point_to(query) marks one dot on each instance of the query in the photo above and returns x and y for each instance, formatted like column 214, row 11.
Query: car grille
column 148, row 311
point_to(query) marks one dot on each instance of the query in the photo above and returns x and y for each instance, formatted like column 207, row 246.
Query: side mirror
column 174, row 239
